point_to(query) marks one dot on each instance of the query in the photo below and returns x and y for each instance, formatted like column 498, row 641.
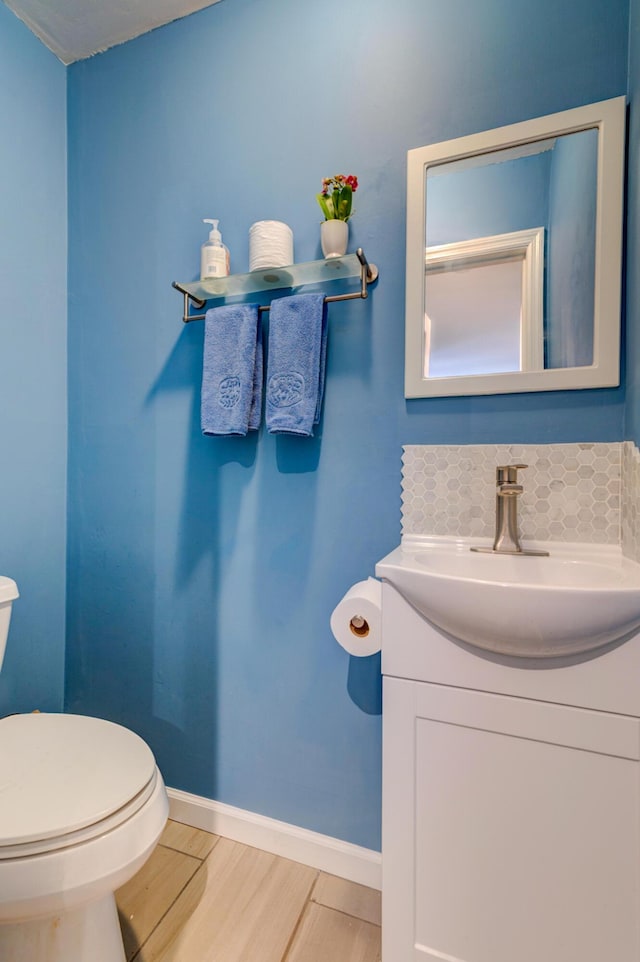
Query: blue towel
column 231, row 401
column 255, row 413
column 296, row 363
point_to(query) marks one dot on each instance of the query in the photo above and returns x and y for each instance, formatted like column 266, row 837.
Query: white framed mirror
column 514, row 257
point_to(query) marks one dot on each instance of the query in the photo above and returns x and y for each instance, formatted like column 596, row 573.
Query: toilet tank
column 8, row 594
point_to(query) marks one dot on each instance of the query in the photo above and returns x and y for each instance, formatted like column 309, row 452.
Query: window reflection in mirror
column 484, row 305
column 473, row 319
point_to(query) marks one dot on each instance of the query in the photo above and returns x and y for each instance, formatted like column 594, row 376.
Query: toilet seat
column 65, row 779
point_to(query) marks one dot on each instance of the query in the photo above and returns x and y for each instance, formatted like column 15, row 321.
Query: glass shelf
column 277, row 278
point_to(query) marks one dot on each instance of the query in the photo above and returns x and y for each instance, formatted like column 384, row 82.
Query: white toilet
column 82, row 806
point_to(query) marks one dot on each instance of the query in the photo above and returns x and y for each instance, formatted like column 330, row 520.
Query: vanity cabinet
column 511, row 804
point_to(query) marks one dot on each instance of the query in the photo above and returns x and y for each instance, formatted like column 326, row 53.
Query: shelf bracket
column 368, row 274
column 186, row 317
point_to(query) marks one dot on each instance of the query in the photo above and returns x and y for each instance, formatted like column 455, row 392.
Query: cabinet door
column 510, row 829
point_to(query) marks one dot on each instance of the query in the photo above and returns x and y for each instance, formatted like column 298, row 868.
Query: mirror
column 514, row 255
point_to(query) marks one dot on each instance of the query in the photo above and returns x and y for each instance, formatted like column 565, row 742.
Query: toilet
column 82, row 806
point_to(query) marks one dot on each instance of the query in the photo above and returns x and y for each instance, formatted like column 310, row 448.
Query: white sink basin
column 579, row 598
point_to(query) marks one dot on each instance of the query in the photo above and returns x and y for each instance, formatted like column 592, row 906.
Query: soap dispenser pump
column 214, row 259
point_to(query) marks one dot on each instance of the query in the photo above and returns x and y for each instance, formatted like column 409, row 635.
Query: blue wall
column 202, row 572
column 33, row 347
column 497, row 198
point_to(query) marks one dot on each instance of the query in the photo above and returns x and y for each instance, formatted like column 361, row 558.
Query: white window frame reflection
column 526, row 246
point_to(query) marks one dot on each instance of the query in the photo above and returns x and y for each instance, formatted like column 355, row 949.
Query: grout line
column 349, row 915
column 296, row 927
column 169, row 907
column 315, row 886
column 202, row 831
column 200, row 858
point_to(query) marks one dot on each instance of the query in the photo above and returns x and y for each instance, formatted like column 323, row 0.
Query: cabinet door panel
column 524, row 850
column 512, row 848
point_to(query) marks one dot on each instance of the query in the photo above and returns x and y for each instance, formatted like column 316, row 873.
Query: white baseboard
column 323, row 852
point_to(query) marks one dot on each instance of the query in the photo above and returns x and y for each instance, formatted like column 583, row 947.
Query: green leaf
column 344, row 204
column 326, row 205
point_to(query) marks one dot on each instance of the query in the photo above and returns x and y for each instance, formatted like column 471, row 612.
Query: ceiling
column 76, row 29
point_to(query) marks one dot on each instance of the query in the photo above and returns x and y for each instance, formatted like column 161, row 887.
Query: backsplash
column 572, row 492
column 630, row 513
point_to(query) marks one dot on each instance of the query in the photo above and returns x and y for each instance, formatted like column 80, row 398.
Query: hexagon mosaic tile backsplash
column 572, row 492
column 630, row 520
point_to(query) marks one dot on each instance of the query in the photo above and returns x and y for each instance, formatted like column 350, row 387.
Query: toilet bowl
column 82, row 806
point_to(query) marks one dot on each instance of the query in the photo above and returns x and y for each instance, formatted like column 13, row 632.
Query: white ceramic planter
column 334, row 237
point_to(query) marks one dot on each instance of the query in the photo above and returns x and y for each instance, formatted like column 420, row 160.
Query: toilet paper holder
column 359, row 626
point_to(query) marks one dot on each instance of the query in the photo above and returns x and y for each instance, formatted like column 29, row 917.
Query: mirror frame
column 609, row 117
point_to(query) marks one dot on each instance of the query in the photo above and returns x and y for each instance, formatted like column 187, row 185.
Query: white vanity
column 511, row 726
column 511, row 785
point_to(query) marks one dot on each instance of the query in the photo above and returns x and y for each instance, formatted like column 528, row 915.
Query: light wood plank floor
column 203, row 898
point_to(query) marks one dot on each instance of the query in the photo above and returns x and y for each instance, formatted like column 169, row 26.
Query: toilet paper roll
column 270, row 245
column 356, row 621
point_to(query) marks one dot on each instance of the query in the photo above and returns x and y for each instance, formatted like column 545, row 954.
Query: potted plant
column 335, row 202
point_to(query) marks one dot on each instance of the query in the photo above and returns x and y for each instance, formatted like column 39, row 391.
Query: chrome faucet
column 508, row 490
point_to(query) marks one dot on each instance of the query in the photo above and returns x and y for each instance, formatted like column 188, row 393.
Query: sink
column 578, row 599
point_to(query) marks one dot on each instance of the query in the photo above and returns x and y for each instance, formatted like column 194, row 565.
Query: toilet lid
column 61, row 773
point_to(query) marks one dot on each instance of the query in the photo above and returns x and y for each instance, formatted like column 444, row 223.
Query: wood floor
column 203, row 898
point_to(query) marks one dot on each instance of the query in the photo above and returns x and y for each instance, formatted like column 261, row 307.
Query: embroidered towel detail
column 296, row 364
column 231, row 400
column 286, row 389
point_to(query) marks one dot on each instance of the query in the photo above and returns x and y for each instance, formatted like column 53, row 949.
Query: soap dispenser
column 214, row 260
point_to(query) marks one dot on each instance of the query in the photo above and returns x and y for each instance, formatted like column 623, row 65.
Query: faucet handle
column 508, row 473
